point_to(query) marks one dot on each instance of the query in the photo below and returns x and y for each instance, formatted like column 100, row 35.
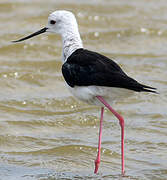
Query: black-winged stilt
column 90, row 76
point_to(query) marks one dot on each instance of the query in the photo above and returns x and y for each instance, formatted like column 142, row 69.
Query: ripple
column 47, row 134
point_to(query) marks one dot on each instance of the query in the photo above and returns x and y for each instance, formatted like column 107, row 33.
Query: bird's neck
column 71, row 42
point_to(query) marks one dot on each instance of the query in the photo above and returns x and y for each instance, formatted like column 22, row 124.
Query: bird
column 90, row 76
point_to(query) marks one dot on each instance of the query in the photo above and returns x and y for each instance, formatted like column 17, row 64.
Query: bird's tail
column 148, row 89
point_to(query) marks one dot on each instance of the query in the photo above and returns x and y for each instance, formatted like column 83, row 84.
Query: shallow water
column 45, row 133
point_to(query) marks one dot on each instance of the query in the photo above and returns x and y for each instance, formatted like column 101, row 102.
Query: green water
column 45, row 133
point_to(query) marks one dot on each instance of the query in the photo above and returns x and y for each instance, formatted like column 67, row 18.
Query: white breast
column 110, row 94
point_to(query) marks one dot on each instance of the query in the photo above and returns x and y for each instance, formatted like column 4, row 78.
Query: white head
column 64, row 23
column 60, row 22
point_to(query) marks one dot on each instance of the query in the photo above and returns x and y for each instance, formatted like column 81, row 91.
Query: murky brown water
column 47, row 134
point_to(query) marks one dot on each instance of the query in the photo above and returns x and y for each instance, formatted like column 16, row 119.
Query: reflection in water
column 47, row 134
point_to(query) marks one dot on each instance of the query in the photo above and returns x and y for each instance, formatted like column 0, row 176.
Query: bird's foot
column 97, row 163
column 123, row 174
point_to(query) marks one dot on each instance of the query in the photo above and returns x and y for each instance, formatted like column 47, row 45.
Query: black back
column 86, row 68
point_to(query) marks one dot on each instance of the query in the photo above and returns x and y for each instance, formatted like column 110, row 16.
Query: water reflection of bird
column 90, row 76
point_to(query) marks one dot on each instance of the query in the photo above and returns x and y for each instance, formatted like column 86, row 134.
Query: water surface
column 45, row 133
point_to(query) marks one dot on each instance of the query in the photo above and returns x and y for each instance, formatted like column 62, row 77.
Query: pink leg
column 121, row 122
column 97, row 161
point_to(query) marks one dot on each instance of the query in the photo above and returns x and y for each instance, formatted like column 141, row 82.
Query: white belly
column 110, row 94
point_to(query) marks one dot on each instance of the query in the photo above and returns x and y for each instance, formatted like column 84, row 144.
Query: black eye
column 52, row 22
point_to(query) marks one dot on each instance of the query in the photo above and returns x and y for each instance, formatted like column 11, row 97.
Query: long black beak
column 43, row 30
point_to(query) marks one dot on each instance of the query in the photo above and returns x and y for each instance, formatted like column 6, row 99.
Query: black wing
column 86, row 68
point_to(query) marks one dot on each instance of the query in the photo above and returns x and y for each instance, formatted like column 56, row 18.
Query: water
column 45, row 133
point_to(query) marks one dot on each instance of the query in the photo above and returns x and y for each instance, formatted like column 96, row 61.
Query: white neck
column 71, row 42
